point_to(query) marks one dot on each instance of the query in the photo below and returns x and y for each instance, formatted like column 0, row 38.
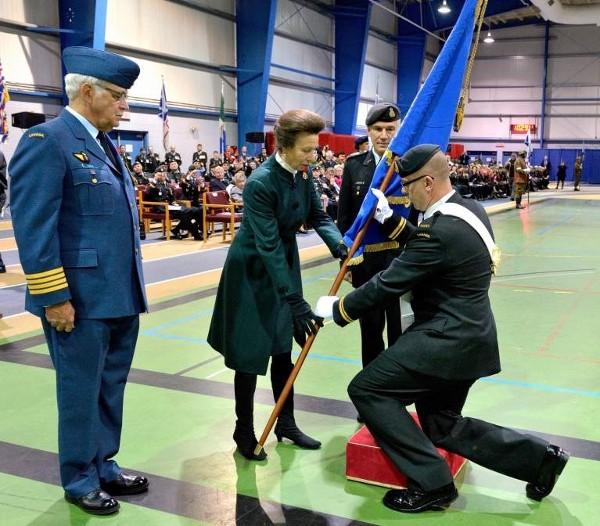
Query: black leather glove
column 342, row 252
column 304, row 319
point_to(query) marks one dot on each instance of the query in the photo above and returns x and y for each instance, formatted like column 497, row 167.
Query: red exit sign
column 522, row 128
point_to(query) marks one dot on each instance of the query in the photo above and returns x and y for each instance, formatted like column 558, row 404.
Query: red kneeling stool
column 366, row 462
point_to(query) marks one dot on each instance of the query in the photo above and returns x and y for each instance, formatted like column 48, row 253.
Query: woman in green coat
column 259, row 305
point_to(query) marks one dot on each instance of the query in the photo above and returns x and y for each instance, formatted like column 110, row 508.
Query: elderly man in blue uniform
column 78, row 241
column 447, row 264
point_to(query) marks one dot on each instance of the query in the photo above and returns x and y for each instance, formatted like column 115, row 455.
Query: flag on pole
column 429, row 120
column 527, row 142
column 222, row 132
column 163, row 113
column 4, row 98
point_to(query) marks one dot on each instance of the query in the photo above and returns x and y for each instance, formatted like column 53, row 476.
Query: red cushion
column 366, row 462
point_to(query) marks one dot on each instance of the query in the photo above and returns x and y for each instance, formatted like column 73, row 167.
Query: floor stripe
column 16, row 353
column 194, row 501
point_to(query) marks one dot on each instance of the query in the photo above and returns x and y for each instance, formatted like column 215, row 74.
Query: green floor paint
column 546, row 299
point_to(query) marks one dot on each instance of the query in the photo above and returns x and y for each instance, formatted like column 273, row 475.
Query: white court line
column 217, row 373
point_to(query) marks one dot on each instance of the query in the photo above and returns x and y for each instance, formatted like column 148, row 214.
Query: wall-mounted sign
column 522, row 128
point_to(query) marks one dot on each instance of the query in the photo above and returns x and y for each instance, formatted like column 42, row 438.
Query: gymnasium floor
column 179, row 407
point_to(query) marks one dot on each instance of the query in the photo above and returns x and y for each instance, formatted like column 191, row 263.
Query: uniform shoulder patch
column 36, row 135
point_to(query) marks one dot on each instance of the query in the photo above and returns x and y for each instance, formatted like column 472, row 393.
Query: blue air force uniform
column 76, row 225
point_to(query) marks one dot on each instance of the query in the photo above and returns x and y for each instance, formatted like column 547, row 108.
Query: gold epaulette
column 47, row 281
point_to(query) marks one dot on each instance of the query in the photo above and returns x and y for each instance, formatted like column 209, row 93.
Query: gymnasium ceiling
column 499, row 13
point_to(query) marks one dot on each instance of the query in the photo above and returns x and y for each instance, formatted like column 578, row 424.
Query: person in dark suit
column 451, row 344
column 382, row 124
column 261, row 286
column 78, row 239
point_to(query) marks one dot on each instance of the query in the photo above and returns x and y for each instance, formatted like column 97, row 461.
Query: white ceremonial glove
column 325, row 306
column 383, row 210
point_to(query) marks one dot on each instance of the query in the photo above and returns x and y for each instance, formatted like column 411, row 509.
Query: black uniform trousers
column 382, row 391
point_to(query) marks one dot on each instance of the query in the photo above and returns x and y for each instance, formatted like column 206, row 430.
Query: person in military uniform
column 577, row 169
column 521, row 178
column 138, row 175
column 154, row 160
column 172, row 155
column 361, row 144
column 79, row 246
column 453, row 342
column 260, row 305
column 561, row 174
column 146, row 161
column 125, row 157
column 382, row 124
column 510, row 170
column 200, row 158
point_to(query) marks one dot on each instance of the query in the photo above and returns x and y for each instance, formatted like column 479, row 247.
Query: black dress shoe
column 126, row 484
column 96, row 502
column 553, row 464
column 414, row 501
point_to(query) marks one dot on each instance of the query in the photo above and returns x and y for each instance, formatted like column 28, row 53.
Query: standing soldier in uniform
column 79, row 246
column 200, row 157
column 577, row 169
column 382, row 124
column 521, row 178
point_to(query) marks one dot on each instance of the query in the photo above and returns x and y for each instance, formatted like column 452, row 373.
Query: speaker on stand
column 27, row 119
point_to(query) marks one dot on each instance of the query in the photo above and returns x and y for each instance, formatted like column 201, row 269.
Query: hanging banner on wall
column 522, row 128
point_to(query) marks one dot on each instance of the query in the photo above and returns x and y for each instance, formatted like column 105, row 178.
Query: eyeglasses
column 118, row 96
column 406, row 184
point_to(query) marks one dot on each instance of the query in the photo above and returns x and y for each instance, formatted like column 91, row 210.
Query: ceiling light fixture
column 444, row 9
column 488, row 39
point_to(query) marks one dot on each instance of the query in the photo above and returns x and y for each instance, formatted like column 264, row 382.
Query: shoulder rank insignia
column 81, row 156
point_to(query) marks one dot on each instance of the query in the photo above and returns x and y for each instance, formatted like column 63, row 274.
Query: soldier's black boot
column 244, row 437
column 281, row 367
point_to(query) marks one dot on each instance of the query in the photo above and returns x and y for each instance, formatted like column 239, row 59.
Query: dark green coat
column 251, row 320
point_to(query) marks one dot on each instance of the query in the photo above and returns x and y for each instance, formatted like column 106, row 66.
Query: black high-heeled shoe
column 291, row 432
column 246, row 443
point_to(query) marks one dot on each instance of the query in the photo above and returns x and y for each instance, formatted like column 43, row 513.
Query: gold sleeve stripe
column 343, row 312
column 51, row 286
column 399, row 228
column 58, row 271
column 47, row 281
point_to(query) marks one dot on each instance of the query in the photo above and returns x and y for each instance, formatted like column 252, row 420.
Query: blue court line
column 542, row 387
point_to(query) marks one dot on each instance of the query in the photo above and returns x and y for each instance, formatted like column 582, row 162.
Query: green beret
column 102, row 65
column 415, row 158
column 386, row 112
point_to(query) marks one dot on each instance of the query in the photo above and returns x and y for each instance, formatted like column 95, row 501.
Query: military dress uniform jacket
column 446, row 265
column 76, row 223
column 251, row 319
column 356, row 181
